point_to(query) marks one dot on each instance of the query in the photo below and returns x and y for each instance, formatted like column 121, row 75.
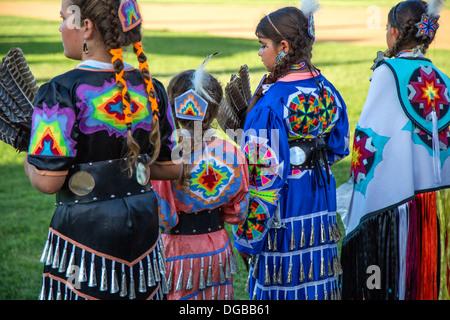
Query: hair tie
column 148, row 82
column 117, row 55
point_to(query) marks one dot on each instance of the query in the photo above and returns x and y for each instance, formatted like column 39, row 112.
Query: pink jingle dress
column 199, row 252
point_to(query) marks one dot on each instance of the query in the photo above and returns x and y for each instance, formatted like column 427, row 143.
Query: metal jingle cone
column 132, row 294
column 275, row 241
column 55, row 263
column 292, row 243
column 311, row 238
column 280, row 272
column 123, row 284
column 266, row 275
column 42, row 293
column 322, row 273
column 189, row 284
column 302, row 238
column 301, row 277
column 269, row 242
column 209, row 275
column 179, row 285
column 155, row 268
column 58, row 293
column 150, row 276
column 114, row 281
column 82, row 276
column 289, row 276
column 311, row 271
column 71, row 264
column 49, row 260
column 162, row 263
column 247, row 285
column 202, row 282
column 331, row 233
column 169, row 279
column 103, row 278
column 142, row 286
column 330, row 269
column 221, row 273
column 63, row 262
column 212, row 293
column 164, row 286
column 92, row 276
column 255, row 266
column 323, row 235
column 226, row 292
column 274, row 273
column 45, row 251
column 50, row 291
column 325, row 294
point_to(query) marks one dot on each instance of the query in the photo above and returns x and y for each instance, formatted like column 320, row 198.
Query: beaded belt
column 199, row 222
column 103, row 180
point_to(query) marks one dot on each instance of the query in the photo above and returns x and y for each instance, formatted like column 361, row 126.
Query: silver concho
column 142, row 174
column 81, row 183
column 297, row 155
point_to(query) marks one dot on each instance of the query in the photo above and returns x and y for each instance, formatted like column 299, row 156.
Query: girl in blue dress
column 297, row 127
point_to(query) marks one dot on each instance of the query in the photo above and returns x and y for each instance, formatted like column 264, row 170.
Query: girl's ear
column 394, row 33
column 87, row 28
column 284, row 46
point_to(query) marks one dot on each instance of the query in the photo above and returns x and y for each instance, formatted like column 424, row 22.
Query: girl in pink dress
column 212, row 191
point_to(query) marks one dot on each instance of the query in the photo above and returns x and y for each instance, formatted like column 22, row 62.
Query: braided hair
column 404, row 17
column 104, row 15
column 291, row 26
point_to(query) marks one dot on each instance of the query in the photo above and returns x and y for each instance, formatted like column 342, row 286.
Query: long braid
column 155, row 136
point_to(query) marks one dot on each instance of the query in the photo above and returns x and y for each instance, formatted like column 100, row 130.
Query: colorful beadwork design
column 129, row 14
column 311, row 27
column 190, row 106
column 256, row 221
column 427, row 26
column 427, row 91
column 51, row 132
column 366, row 155
column 263, row 163
column 209, row 178
column 327, row 111
column 102, row 109
column 303, row 113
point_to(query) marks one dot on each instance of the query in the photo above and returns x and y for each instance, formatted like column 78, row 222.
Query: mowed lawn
column 25, row 213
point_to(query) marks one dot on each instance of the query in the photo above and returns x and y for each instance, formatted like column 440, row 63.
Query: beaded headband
column 190, row 106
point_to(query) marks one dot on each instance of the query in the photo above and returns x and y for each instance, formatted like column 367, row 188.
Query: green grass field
column 25, row 213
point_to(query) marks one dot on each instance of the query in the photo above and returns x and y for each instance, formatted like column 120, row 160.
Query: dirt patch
column 363, row 26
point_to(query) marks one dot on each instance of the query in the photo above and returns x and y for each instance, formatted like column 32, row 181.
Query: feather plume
column 309, row 7
column 434, row 7
column 18, row 89
column 198, row 78
column 238, row 96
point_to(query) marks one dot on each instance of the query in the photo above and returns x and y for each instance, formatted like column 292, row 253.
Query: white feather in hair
column 434, row 7
column 198, row 78
column 309, row 7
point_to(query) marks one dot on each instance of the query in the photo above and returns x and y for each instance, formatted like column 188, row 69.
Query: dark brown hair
column 181, row 83
column 404, row 17
column 292, row 24
column 104, row 15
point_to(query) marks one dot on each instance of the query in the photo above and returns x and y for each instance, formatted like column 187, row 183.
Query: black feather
column 18, row 88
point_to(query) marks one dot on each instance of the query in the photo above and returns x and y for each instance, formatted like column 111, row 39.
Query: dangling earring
column 280, row 56
column 85, row 48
